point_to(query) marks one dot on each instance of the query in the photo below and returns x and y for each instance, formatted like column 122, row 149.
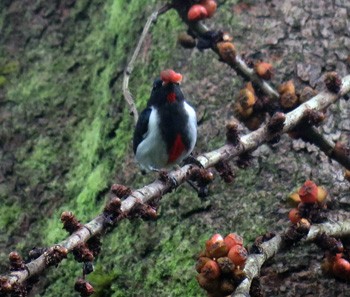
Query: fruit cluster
column 203, row 10
column 337, row 257
column 220, row 266
column 310, row 201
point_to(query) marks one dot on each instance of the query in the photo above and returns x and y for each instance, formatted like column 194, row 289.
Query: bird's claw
column 192, row 160
column 165, row 177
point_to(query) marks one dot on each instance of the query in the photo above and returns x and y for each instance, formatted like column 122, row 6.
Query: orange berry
column 246, row 98
column 294, row 216
column 216, row 247
column 244, row 113
column 201, row 262
column 321, row 194
column 233, row 239
column 341, row 268
column 210, row 6
column 211, row 270
column 288, row 100
column 170, row 75
column 294, row 199
column 249, row 86
column 308, row 192
column 227, row 51
column 197, row 12
column 215, row 238
column 287, row 87
column 238, row 255
column 264, row 70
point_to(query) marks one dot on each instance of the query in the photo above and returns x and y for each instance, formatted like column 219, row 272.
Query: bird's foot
column 165, row 177
column 192, row 160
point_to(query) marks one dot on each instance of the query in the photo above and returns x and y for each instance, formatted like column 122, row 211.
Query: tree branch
column 274, row 245
column 249, row 74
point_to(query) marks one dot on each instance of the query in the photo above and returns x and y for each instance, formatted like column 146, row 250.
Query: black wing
column 141, row 127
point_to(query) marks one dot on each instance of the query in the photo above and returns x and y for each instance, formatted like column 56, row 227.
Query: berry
column 294, row 216
column 308, row 192
column 211, row 270
column 233, row 239
column 238, row 255
column 197, row 12
column 264, row 70
column 210, row 6
column 201, row 262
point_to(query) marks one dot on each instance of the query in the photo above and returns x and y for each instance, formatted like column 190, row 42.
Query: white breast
column 151, row 153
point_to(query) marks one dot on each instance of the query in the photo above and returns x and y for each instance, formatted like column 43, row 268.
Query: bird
column 166, row 131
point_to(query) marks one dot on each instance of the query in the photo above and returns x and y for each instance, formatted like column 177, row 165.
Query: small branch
column 127, row 94
column 158, row 188
column 237, row 64
column 274, row 245
column 313, row 136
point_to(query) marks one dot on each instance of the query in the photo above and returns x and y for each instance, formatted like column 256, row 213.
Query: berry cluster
column 337, row 257
column 205, row 9
column 337, row 265
column 220, row 266
column 310, row 200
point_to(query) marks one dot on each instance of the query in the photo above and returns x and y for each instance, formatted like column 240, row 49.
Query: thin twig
column 128, row 70
column 310, row 134
column 158, row 188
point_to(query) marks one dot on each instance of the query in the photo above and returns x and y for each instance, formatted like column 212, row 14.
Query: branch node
column 232, row 134
column 55, row 254
column 276, row 123
column 333, row 82
column 83, row 287
column 16, row 262
column 70, row 223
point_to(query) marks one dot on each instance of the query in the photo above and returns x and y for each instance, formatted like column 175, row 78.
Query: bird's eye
column 157, row 83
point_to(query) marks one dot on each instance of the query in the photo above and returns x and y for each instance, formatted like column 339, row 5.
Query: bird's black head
column 165, row 93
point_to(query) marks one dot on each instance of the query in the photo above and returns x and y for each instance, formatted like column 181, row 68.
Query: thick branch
column 156, row 189
column 274, row 245
column 310, row 134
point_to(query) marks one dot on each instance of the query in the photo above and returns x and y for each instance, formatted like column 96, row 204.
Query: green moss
column 3, row 80
column 9, row 214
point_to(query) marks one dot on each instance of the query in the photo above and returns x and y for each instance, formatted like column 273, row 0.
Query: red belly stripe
column 176, row 150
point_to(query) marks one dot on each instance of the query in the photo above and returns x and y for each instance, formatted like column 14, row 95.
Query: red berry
column 197, row 12
column 201, row 262
column 341, row 268
column 308, row 192
column 216, row 247
column 294, row 216
column 210, row 6
column 238, row 255
column 233, row 239
column 215, row 238
column 170, row 75
column 211, row 270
